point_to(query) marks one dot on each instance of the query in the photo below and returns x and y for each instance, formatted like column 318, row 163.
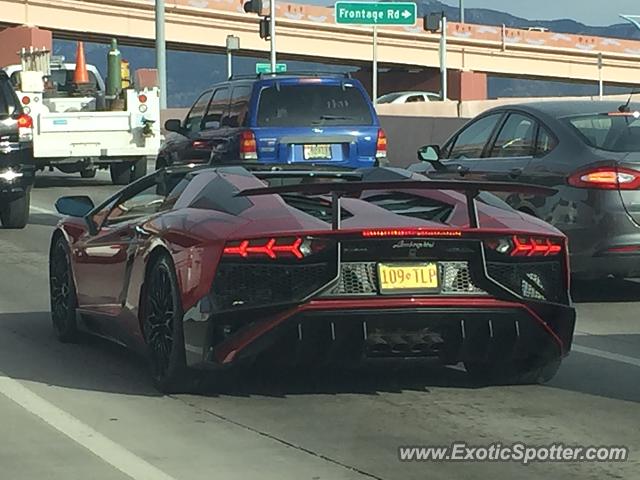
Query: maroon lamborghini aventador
column 217, row 267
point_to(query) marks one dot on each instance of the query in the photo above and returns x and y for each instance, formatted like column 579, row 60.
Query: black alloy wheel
column 62, row 293
column 162, row 327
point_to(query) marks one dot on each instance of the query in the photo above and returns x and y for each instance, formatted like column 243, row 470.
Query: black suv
column 16, row 158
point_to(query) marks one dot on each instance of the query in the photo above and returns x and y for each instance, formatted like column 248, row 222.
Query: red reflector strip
column 624, row 249
column 269, row 249
column 624, row 114
column 410, row 232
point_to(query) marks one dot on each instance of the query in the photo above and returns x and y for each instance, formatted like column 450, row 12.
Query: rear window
column 310, row 105
column 612, row 133
column 8, row 100
column 61, row 80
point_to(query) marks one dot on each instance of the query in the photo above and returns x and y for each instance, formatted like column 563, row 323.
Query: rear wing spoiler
column 470, row 189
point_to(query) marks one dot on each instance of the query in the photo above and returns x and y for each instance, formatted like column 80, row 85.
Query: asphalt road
column 88, row 410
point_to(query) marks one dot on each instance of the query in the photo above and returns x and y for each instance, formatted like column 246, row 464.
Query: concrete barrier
column 419, row 109
column 406, row 134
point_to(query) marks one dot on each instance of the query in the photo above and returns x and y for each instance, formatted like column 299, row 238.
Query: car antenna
column 625, row 108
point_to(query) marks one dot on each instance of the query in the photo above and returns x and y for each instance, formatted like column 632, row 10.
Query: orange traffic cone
column 81, row 75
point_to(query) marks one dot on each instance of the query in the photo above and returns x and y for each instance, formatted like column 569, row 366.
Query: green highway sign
column 376, row 13
column 266, row 67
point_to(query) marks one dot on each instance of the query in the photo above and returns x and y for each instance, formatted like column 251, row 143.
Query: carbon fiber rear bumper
column 350, row 331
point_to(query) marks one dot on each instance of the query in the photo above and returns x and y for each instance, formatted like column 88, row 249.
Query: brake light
column 268, row 247
column 25, row 121
column 381, row 144
column 606, row 178
column 275, row 247
column 248, row 146
column 525, row 246
column 409, row 232
column 200, row 145
column 26, row 100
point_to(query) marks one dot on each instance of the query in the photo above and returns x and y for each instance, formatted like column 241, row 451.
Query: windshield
column 310, row 105
column 615, row 133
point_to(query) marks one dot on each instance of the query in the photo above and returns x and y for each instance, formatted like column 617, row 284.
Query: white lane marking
column 42, row 210
column 109, row 451
column 607, row 355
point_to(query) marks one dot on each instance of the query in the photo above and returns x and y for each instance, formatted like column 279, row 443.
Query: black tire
column 88, row 172
column 162, row 328
column 524, row 372
column 62, row 292
column 121, row 173
column 139, row 169
column 15, row 213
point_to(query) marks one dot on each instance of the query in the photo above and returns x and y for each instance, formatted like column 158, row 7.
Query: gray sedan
column 588, row 150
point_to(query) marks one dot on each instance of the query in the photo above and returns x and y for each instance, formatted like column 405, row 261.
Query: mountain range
column 205, row 69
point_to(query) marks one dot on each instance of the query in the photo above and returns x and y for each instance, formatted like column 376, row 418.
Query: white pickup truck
column 77, row 134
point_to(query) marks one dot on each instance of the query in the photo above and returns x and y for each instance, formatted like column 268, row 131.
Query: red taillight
column 267, row 247
column 525, row 246
column 26, row 100
column 142, row 98
column 25, row 121
column 200, row 145
column 410, row 232
column 248, row 146
column 606, row 178
column 381, row 144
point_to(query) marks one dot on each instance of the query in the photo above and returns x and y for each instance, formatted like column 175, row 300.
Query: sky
column 589, row 12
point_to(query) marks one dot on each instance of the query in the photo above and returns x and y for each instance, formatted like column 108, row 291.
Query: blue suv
column 279, row 119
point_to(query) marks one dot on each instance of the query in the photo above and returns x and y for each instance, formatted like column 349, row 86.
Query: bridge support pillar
column 14, row 38
column 465, row 85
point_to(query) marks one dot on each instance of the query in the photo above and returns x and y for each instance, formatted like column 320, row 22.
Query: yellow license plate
column 414, row 277
column 318, row 151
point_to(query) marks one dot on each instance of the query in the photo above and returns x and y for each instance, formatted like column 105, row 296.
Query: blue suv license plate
column 317, row 151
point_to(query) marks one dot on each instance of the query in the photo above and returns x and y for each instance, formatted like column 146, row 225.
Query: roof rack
column 301, row 73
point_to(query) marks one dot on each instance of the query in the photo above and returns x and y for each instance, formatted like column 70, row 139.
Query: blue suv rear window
column 313, row 105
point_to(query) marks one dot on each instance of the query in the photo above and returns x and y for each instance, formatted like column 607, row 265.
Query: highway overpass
column 309, row 33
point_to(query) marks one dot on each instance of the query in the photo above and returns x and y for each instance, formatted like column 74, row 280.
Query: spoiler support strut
column 472, row 209
column 336, row 210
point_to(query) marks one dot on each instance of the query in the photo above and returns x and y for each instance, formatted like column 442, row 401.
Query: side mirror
column 173, row 125
column 74, row 206
column 429, row 153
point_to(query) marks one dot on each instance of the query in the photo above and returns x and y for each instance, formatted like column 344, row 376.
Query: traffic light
column 253, row 6
column 431, row 22
column 265, row 28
